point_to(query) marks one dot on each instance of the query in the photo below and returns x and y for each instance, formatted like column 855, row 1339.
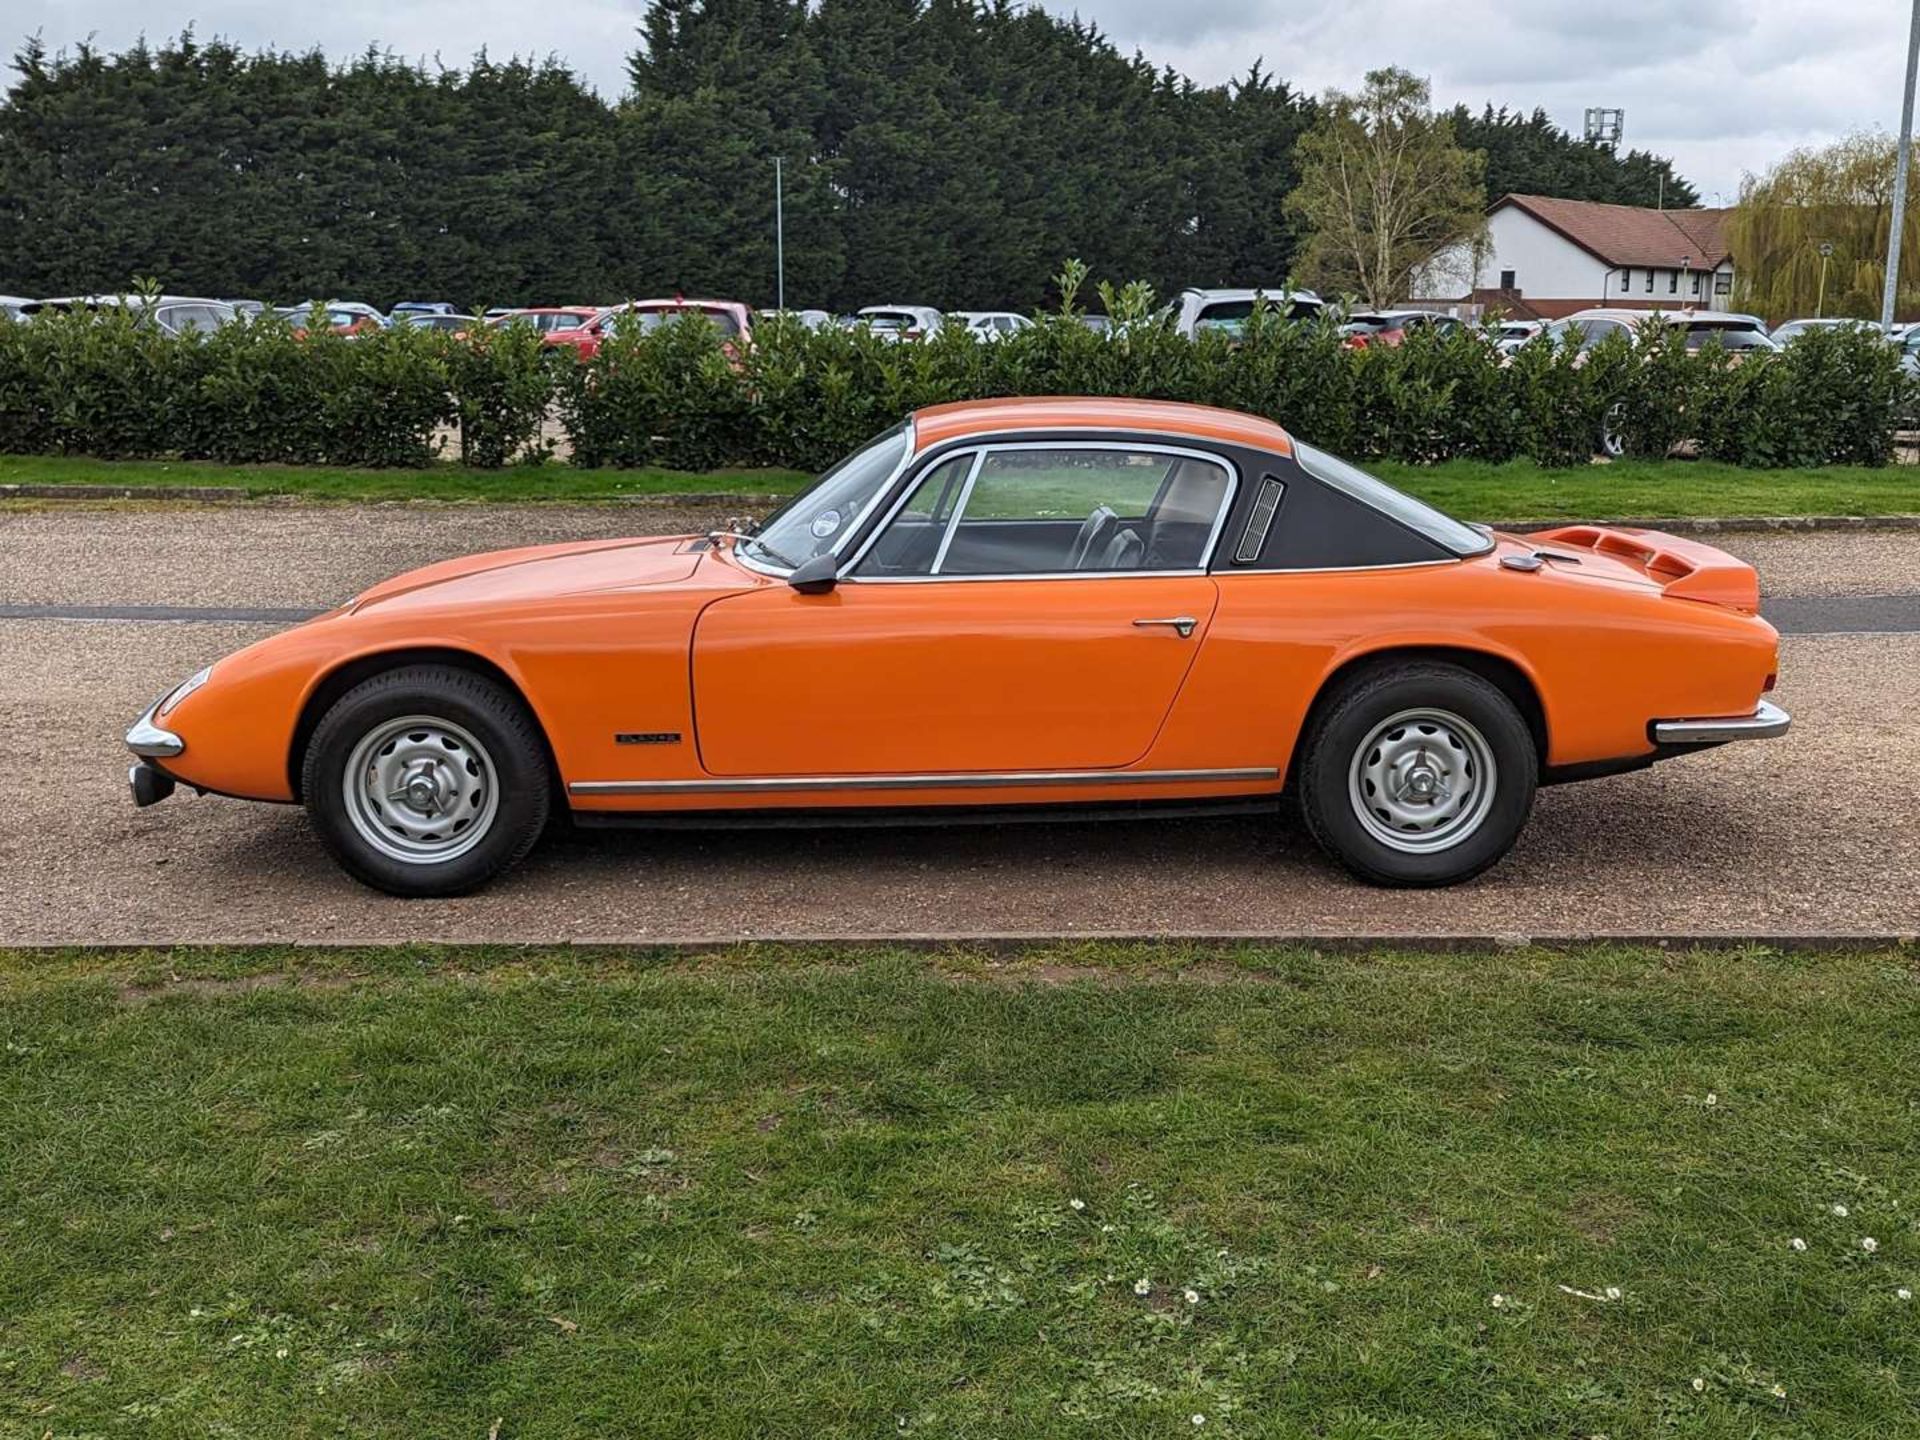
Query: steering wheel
column 1094, row 530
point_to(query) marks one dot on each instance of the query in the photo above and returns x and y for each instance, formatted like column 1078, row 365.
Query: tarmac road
column 1809, row 835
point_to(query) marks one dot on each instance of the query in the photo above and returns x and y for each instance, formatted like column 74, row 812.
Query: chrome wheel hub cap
column 1422, row 781
column 420, row 789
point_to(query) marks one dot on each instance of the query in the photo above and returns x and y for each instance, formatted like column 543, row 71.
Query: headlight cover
column 185, row 688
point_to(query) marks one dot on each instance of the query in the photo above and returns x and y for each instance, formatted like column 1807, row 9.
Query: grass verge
column 1097, row 1191
column 436, row 482
column 1471, row 489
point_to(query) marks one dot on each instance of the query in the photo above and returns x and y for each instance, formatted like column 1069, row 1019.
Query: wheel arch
column 342, row 677
column 1501, row 671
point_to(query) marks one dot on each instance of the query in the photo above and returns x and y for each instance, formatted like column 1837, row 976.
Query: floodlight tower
column 1604, row 125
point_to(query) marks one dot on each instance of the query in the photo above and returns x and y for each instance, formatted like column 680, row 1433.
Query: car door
column 1024, row 608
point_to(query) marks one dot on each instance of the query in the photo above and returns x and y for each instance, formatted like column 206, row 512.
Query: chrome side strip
column 949, row 780
column 1765, row 723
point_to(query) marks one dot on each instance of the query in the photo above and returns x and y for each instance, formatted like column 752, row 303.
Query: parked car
column 1702, row 327
column 1509, row 334
column 13, row 307
column 549, row 320
column 436, row 320
column 899, row 322
column 731, row 320
column 422, row 307
column 989, row 324
column 1036, row 605
column 248, row 309
column 344, row 317
column 1099, row 324
column 1195, row 310
column 1783, row 333
column 1390, row 327
column 1587, row 328
column 811, row 319
column 171, row 314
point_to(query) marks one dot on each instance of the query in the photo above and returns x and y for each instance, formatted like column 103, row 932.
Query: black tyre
column 427, row 780
column 1417, row 774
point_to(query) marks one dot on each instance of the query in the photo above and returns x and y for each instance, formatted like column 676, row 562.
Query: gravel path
column 1787, row 837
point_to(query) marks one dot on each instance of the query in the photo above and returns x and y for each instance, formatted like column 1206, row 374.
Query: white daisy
column 1192, row 1296
column 1076, row 1204
column 1869, row 1244
column 1796, row 1243
column 1143, row 1286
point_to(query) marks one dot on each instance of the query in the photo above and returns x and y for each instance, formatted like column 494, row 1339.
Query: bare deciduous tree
column 1385, row 189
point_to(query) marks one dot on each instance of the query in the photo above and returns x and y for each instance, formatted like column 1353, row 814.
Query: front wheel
column 427, row 780
column 1421, row 774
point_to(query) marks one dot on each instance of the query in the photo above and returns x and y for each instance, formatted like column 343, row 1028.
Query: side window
column 911, row 542
column 1049, row 510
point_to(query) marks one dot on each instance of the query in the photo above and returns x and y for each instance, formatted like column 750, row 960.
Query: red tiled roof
column 1629, row 234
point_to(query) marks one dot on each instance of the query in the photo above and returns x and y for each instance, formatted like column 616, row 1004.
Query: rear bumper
column 1765, row 723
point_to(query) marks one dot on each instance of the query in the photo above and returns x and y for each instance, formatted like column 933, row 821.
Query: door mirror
column 816, row 576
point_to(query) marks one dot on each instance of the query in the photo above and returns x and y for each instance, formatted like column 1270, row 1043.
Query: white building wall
column 1545, row 265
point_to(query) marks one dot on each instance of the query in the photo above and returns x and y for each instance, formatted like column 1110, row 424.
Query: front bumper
column 148, row 782
column 148, row 740
column 1765, row 723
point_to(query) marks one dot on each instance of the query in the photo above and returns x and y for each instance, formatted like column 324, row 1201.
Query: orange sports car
column 1061, row 605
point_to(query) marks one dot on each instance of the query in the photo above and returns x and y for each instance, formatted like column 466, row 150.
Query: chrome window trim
column 1011, row 579
column 885, row 487
column 953, row 520
column 936, row 780
column 1147, row 447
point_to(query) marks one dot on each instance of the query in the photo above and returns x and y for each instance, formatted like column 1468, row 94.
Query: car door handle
column 1183, row 623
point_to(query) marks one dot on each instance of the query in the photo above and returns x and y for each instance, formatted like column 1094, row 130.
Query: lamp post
column 1820, row 301
column 780, row 230
column 1900, row 178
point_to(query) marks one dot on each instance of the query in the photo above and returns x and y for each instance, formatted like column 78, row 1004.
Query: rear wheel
column 427, row 780
column 1419, row 774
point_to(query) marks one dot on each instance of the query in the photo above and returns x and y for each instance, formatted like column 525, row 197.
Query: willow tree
column 1830, row 208
column 1385, row 190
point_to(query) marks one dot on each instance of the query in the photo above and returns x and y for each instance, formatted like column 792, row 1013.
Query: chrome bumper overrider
column 148, row 782
column 148, row 739
column 1764, row 724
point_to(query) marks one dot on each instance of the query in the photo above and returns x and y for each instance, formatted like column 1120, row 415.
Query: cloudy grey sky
column 1724, row 86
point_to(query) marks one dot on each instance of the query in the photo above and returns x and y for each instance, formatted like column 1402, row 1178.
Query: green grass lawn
column 1471, row 489
column 436, row 482
column 1091, row 1192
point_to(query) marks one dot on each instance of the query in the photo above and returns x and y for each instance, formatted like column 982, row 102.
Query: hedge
column 674, row 397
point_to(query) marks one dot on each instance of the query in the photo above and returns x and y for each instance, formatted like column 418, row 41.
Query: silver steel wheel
column 420, row 789
column 1422, row 781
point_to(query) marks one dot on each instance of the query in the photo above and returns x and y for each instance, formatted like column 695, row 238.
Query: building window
column 1696, row 282
column 1626, row 280
column 1723, row 283
column 1506, row 280
column 1673, row 282
column 1649, row 280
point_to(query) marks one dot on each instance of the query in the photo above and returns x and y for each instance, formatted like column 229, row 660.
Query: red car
column 730, row 319
column 554, row 322
column 1390, row 327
